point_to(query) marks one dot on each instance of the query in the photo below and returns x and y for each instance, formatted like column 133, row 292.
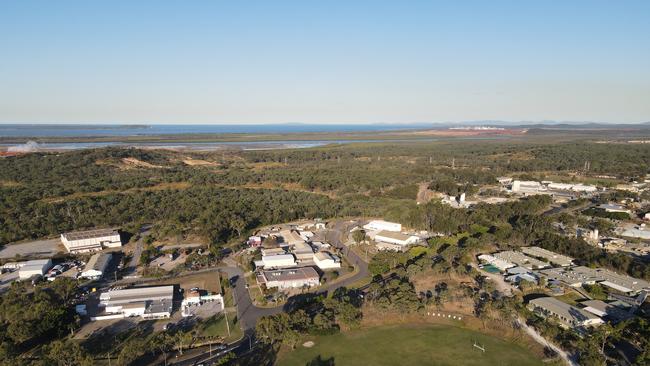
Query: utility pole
column 109, row 359
column 225, row 314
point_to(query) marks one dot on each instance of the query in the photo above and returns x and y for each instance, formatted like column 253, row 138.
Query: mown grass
column 216, row 327
column 409, row 345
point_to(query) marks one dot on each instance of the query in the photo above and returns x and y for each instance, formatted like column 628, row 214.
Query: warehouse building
column 325, row 260
column 91, row 240
column 381, row 225
column 396, row 238
column 552, row 257
column 521, row 259
column 584, row 188
column 276, row 261
column 97, row 266
column 568, row 316
column 37, row 267
column 496, row 262
column 519, row 186
column 605, row 310
column 291, row 237
column 613, row 207
column 569, row 277
column 303, row 252
column 619, row 282
column 284, row 279
column 145, row 302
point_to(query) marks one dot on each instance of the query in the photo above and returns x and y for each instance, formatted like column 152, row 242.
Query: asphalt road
column 248, row 313
column 137, row 252
column 37, row 248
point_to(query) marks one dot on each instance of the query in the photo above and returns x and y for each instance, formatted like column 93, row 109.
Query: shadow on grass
column 319, row 361
column 263, row 355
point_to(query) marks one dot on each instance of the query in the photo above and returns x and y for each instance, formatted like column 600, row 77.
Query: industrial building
column 325, row 260
column 521, row 259
column 284, row 279
column 396, row 238
column 568, row 277
column 291, row 237
column 198, row 297
column 303, row 252
column 381, row 225
column 612, row 207
column 91, row 240
column 572, row 187
column 96, row 266
column 577, row 276
column 519, row 186
column 145, row 302
column 496, row 262
column 276, row 261
column 568, row 316
column 37, row 267
column 619, row 282
column 552, row 257
column 605, row 310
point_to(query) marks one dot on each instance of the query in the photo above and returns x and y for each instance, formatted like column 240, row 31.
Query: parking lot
column 37, row 248
column 167, row 263
column 7, row 278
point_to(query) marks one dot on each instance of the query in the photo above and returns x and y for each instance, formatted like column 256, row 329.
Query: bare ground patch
column 157, row 187
column 199, row 162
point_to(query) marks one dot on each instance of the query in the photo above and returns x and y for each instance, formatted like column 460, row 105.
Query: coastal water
column 51, row 130
column 31, row 135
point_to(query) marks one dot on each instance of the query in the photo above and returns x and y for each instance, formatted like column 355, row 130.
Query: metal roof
column 98, row 262
column 90, row 234
column 393, row 235
column 292, row 274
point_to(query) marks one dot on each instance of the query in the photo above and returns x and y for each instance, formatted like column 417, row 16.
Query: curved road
column 248, row 313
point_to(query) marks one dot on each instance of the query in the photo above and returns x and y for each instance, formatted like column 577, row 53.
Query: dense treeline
column 45, row 194
column 31, row 317
column 217, row 213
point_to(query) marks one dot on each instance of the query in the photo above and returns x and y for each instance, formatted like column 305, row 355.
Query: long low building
column 284, row 279
column 498, row 263
column 381, row 225
column 552, row 257
column 521, row 259
column 37, row 267
column 619, row 282
column 97, row 266
column 578, row 276
column 276, row 261
column 568, row 277
column 91, row 240
column 325, row 260
column 603, row 309
column 568, row 316
column 146, row 302
column 396, row 238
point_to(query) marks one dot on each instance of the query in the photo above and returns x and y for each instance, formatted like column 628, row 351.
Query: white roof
column 278, row 258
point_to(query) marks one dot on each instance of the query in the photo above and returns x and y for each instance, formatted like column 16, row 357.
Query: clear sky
column 323, row 61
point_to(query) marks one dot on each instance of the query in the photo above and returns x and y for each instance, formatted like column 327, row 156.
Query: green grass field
column 216, row 327
column 408, row 345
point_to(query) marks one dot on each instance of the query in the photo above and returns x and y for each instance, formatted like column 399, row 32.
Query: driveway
column 506, row 289
column 37, row 248
column 248, row 313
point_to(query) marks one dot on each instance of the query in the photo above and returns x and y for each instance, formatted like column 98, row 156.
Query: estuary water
column 60, row 130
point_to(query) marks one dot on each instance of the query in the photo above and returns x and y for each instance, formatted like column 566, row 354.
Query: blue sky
column 323, row 61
